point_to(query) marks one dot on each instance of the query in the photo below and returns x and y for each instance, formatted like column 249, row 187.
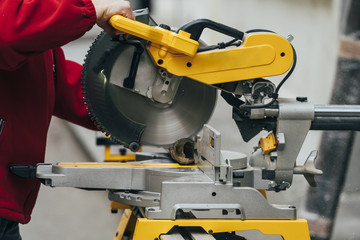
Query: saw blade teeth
column 86, row 100
column 83, row 84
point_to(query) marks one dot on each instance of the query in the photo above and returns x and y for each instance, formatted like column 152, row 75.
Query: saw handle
column 178, row 42
column 196, row 27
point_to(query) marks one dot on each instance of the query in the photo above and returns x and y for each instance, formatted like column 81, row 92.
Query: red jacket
column 31, row 32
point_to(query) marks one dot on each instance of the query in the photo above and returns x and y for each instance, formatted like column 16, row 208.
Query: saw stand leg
column 126, row 227
column 134, row 228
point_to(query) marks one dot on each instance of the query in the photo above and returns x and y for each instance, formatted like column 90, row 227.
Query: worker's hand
column 105, row 9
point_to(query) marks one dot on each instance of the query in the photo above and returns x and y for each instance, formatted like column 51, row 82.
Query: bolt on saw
column 159, row 87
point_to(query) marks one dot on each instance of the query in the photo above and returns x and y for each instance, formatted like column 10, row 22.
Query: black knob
column 164, row 26
column 301, row 99
column 122, row 151
column 134, row 146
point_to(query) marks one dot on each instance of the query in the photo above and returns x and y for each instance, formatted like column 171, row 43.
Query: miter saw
column 145, row 93
column 159, row 87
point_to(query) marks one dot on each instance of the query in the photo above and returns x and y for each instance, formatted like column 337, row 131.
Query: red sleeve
column 69, row 104
column 33, row 26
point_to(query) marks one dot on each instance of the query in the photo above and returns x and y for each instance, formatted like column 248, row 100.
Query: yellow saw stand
column 143, row 228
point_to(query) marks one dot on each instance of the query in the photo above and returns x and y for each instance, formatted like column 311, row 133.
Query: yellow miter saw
column 159, row 87
column 142, row 90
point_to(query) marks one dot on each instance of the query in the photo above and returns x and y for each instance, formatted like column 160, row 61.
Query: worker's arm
column 31, row 27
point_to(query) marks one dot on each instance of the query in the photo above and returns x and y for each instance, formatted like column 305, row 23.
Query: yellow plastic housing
column 169, row 41
column 268, row 143
column 260, row 55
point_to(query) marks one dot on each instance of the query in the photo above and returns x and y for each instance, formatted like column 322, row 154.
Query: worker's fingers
column 131, row 15
column 127, row 12
column 105, row 9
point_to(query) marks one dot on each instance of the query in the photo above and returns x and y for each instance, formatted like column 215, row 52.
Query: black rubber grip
column 196, row 27
column 24, row 171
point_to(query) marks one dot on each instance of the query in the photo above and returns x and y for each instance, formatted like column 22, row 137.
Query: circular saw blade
column 131, row 117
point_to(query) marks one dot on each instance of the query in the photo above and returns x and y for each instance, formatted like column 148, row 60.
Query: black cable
column 289, row 73
column 227, row 44
column 218, row 46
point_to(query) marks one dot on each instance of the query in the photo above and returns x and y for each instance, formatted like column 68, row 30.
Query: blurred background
column 318, row 30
